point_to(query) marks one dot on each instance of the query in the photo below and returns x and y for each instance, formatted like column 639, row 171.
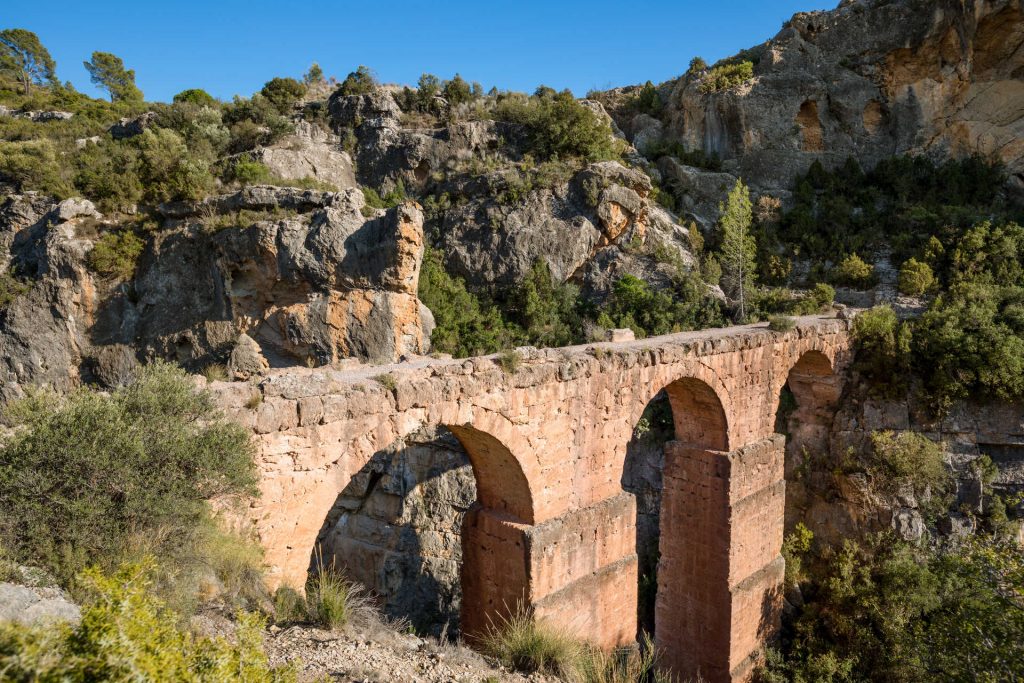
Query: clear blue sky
column 233, row 46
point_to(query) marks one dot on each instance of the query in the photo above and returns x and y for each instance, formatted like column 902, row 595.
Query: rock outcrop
column 303, row 273
column 867, row 80
column 870, row 79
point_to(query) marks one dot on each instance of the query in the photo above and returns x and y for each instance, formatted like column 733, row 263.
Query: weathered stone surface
column 867, row 80
column 311, row 152
column 247, row 359
column 132, row 126
column 547, row 445
column 321, row 286
column 32, row 606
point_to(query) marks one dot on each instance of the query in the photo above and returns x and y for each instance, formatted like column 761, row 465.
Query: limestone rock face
column 33, row 606
column 315, row 287
column 310, row 280
column 868, row 80
column 587, row 229
column 310, row 153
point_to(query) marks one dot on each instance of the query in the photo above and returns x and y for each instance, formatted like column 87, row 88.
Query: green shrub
column 887, row 610
column 196, row 96
column 283, row 93
column 908, row 459
column 289, row 606
column 10, row 288
column 509, row 361
column 558, row 125
column 93, row 457
column 726, row 75
column 116, row 254
column 465, row 325
column 915, row 277
column 635, row 304
column 883, row 346
column 34, row 165
column 332, row 601
column 358, row 82
column 795, row 546
column 781, row 323
column 248, row 171
column 853, row 271
column 127, row 634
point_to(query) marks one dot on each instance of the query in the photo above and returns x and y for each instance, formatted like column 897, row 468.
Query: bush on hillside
column 887, row 610
column 87, row 477
column 126, row 633
column 915, row 277
column 283, row 93
column 558, row 125
column 853, row 271
column 726, row 75
column 116, row 254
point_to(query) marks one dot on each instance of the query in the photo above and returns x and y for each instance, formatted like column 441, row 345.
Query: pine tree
column 107, row 71
column 738, row 251
column 22, row 54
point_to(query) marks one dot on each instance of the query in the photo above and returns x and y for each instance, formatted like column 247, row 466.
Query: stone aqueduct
column 552, row 527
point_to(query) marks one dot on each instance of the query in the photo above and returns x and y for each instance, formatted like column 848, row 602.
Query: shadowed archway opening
column 396, row 528
column 805, row 411
column 688, row 412
column 399, row 526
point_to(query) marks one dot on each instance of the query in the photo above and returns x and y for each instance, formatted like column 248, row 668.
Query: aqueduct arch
column 548, row 446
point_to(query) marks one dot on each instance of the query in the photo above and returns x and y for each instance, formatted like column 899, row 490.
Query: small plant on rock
column 781, row 323
column 509, row 361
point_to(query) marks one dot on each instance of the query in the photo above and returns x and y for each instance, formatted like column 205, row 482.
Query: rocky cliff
column 868, row 80
column 313, row 277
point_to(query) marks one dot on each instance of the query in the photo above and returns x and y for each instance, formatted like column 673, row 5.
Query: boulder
column 129, row 127
column 247, row 359
column 33, row 606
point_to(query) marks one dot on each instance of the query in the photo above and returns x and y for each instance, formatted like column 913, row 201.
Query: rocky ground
column 372, row 650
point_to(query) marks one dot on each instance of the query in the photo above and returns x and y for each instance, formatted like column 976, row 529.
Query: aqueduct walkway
column 552, row 526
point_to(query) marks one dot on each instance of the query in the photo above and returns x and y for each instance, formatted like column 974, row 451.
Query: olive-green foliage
column 883, row 346
column 391, row 199
column 738, row 249
column 725, row 75
column 140, row 462
column 331, row 600
column 359, row 82
column 248, row 171
column 901, row 205
column 509, row 361
column 34, row 164
column 971, row 340
column 886, row 610
column 116, row 253
column 648, row 101
column 153, row 167
column 524, row 643
column 794, row 547
column 636, row 305
column 546, row 310
column 853, row 271
column 24, row 56
column 465, row 325
column 283, row 93
column 107, row 71
column 690, row 157
column 11, row 287
column 898, row 461
column 127, row 634
column 915, row 277
column 196, row 96
column 781, row 323
column 558, row 125
column 698, row 65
